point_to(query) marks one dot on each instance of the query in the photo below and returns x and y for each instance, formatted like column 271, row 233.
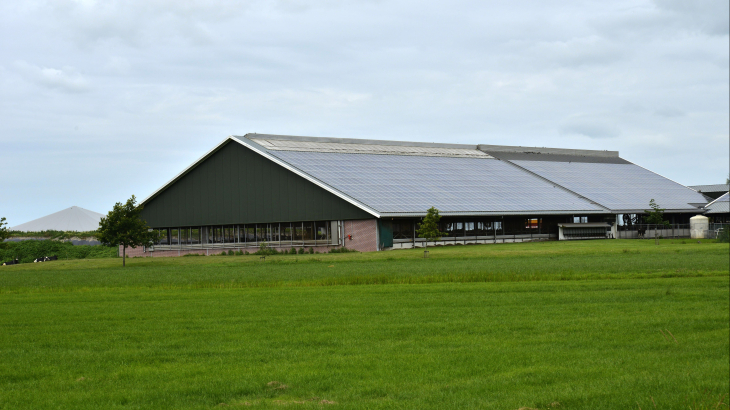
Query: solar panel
column 617, row 186
column 412, row 184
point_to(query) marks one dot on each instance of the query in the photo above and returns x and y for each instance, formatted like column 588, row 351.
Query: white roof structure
column 71, row 219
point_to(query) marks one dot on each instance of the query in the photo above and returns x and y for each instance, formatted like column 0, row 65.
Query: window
column 298, row 231
column 195, row 236
column 321, row 232
column 229, row 234
column 286, row 232
column 274, row 232
column 580, row 219
column 470, row 229
column 308, row 231
column 184, row 236
column 174, row 236
column 402, row 230
column 163, row 238
column 531, row 223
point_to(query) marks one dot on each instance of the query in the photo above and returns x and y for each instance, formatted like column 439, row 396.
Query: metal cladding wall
column 237, row 186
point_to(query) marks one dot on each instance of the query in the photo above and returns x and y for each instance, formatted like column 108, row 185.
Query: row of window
column 406, row 229
column 250, row 234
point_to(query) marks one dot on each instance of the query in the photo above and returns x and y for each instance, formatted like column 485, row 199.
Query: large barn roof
column 396, row 178
column 719, row 206
column 75, row 219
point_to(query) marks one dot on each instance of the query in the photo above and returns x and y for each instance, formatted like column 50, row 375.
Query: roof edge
column 358, row 141
column 535, row 150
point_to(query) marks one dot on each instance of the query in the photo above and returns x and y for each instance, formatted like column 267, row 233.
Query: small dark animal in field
column 641, row 232
column 45, row 259
column 12, row 262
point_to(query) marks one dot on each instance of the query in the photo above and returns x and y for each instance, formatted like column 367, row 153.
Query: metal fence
column 650, row 231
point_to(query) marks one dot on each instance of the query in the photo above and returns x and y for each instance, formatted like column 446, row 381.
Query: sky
column 101, row 100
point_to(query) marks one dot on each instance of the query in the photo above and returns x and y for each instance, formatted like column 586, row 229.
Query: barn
column 368, row 195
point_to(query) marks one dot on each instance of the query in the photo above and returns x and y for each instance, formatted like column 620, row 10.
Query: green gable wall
column 236, row 186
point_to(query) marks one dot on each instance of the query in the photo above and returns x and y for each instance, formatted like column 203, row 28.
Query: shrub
column 341, row 250
column 193, row 254
column 230, row 252
column 301, row 251
column 223, row 253
column 247, row 253
column 27, row 251
column 311, row 251
column 239, row 252
column 292, row 251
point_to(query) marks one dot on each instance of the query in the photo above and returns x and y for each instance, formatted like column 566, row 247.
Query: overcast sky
column 100, row 100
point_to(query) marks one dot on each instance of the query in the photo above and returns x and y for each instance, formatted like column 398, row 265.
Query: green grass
column 582, row 325
column 546, row 261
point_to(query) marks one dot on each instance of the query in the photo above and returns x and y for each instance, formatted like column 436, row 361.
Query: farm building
column 711, row 191
column 370, row 195
column 719, row 209
column 75, row 219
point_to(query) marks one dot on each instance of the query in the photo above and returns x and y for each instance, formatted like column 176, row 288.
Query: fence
column 650, row 231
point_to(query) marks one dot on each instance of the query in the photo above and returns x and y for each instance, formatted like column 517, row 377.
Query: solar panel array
column 617, row 186
column 412, row 184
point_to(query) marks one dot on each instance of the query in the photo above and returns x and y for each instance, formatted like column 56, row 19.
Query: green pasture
column 581, row 325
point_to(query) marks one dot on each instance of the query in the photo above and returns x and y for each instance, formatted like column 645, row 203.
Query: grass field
column 581, row 325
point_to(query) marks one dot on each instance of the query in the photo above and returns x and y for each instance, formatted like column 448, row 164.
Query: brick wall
column 364, row 235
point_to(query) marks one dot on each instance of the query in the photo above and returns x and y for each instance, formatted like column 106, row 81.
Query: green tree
column 4, row 232
column 123, row 227
column 656, row 214
column 429, row 227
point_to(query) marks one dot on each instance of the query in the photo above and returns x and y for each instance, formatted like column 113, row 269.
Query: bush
column 239, row 252
column 247, row 253
column 311, row 251
column 293, row 251
column 27, row 251
column 301, row 251
column 223, row 253
column 341, row 250
column 193, row 254
column 230, row 252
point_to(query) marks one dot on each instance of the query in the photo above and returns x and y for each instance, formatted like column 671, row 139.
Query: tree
column 429, row 227
column 123, row 227
column 656, row 215
column 4, row 232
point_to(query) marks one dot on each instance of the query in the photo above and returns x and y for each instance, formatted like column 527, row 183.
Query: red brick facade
column 363, row 234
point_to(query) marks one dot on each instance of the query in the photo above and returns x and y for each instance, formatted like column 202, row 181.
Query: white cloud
column 64, row 79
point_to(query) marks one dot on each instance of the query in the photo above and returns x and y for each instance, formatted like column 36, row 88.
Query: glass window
column 274, row 232
column 308, row 231
column 531, row 223
column 402, row 229
column 580, row 219
column 229, row 234
column 298, row 231
column 470, row 228
column 286, row 232
column 251, row 234
column 174, row 236
column 321, row 233
column 262, row 233
column 216, row 234
column 184, row 236
column 195, row 236
column 163, row 237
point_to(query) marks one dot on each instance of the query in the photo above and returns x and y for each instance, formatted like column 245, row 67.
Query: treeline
column 27, row 251
column 57, row 235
